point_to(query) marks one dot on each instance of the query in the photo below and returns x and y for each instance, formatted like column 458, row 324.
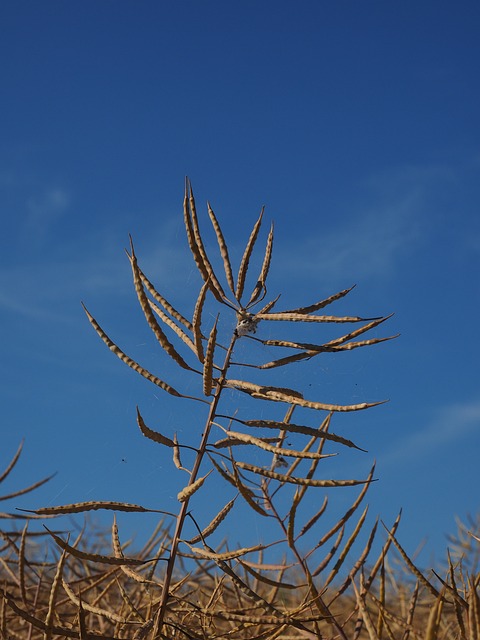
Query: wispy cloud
column 371, row 240
column 45, row 208
column 450, row 424
column 43, row 286
column 44, row 289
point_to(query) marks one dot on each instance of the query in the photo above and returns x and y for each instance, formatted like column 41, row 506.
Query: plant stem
column 316, row 596
column 159, row 619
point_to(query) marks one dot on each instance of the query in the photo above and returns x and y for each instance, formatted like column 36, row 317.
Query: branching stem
column 316, row 596
column 160, row 617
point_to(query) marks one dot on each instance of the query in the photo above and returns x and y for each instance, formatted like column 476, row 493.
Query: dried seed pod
column 190, row 489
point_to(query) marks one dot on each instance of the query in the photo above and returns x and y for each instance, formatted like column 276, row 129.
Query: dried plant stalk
column 214, row 591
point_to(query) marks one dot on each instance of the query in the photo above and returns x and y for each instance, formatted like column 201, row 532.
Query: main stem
column 159, row 620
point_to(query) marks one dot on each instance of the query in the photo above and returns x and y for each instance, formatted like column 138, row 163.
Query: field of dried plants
column 352, row 580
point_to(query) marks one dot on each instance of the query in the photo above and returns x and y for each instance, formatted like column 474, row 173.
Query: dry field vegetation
column 188, row 581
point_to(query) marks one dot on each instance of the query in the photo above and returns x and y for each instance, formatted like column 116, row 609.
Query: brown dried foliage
column 177, row 585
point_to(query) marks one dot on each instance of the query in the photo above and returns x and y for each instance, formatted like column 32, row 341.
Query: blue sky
column 354, row 123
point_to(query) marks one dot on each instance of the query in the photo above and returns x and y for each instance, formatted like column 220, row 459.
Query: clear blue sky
column 355, row 123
